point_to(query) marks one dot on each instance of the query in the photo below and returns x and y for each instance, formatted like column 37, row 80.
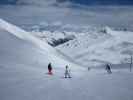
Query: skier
column 50, row 69
column 88, row 68
column 67, row 72
column 108, row 68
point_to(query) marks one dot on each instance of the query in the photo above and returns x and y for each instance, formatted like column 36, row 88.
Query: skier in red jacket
column 50, row 69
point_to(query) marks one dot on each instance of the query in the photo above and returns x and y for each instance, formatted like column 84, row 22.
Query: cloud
column 100, row 2
column 82, row 2
column 8, row 1
column 15, row 2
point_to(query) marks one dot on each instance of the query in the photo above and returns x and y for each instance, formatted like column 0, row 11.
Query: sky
column 82, row 2
column 41, row 12
column 101, row 2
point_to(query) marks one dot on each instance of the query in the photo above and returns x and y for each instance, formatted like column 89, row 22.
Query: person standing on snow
column 108, row 68
column 67, row 72
column 50, row 69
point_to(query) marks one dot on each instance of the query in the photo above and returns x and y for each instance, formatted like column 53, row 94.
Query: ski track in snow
column 23, row 68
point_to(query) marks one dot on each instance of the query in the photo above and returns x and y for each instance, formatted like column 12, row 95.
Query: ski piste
column 23, row 63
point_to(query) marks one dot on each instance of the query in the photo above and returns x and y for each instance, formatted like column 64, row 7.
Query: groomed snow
column 23, row 68
column 52, row 55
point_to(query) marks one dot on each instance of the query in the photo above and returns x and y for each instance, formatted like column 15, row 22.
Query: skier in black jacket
column 108, row 68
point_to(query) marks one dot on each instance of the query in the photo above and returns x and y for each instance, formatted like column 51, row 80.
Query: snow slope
column 89, row 46
column 23, row 68
column 100, row 47
column 52, row 54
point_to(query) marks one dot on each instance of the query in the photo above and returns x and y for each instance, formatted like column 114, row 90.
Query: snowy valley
column 34, row 33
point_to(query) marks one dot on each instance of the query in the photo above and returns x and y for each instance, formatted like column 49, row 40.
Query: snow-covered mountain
column 49, row 54
column 79, row 39
column 96, row 48
column 90, row 46
column 23, row 72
